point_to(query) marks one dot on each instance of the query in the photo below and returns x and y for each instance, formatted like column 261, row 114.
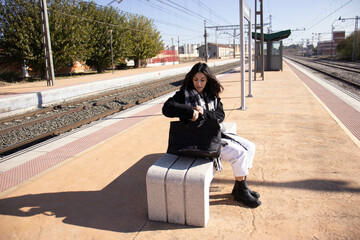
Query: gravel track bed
column 351, row 76
column 25, row 133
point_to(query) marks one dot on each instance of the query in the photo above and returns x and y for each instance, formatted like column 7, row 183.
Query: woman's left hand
column 199, row 109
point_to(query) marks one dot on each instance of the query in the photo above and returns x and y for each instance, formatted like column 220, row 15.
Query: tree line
column 346, row 47
column 79, row 31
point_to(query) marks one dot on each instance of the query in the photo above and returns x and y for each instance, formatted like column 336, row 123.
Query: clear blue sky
column 184, row 19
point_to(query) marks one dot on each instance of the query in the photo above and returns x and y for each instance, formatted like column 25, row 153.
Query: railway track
column 340, row 66
column 347, row 73
column 25, row 130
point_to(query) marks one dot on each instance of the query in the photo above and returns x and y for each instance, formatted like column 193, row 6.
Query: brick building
column 328, row 48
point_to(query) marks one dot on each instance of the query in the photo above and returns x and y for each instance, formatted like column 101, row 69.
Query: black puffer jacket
column 175, row 107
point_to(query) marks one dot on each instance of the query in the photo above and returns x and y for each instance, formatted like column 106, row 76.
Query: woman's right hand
column 199, row 109
column 195, row 116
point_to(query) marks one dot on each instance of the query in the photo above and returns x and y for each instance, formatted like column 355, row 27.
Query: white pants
column 240, row 157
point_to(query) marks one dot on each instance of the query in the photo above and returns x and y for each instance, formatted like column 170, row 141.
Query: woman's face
column 199, row 81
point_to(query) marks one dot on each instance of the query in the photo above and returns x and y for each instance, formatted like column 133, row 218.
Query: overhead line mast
column 259, row 43
column 49, row 66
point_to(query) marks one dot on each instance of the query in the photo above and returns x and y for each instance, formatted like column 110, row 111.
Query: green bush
column 121, row 65
column 10, row 77
column 345, row 48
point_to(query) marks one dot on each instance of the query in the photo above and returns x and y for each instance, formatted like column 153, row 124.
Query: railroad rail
column 339, row 66
column 348, row 66
column 347, row 73
column 24, row 130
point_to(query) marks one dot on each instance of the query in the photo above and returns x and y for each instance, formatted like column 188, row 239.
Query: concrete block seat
column 178, row 188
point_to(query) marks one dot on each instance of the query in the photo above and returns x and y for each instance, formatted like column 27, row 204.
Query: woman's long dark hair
column 213, row 86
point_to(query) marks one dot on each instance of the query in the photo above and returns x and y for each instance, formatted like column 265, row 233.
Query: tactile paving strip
column 39, row 164
column 349, row 116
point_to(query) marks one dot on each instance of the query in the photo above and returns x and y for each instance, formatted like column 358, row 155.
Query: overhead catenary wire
column 322, row 19
column 118, row 26
column 198, row 2
column 172, row 24
column 178, row 11
column 155, row 20
column 173, row 14
column 312, row 24
column 182, row 17
column 188, row 11
column 165, row 9
column 100, row 22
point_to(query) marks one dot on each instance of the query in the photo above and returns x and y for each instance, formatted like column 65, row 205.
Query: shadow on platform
column 121, row 206
column 311, row 184
column 322, row 185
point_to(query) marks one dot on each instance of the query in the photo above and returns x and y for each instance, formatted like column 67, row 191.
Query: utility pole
column 259, row 43
column 179, row 49
column 216, row 42
column 234, row 46
column 245, row 13
column 206, row 45
column 111, row 48
column 332, row 36
column 173, row 49
column 49, row 66
column 250, row 55
column 355, row 38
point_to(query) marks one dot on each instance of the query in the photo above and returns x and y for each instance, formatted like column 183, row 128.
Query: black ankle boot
column 242, row 194
column 253, row 193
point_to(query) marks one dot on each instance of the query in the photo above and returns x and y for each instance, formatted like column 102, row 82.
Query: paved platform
column 306, row 169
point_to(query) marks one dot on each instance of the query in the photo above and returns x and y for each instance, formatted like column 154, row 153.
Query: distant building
column 218, row 50
column 165, row 57
column 188, row 51
column 328, row 48
column 191, row 49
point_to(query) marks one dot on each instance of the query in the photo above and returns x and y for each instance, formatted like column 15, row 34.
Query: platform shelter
column 273, row 50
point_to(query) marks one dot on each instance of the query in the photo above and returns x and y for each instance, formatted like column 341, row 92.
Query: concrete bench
column 178, row 188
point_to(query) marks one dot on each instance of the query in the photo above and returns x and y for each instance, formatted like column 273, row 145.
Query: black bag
column 195, row 141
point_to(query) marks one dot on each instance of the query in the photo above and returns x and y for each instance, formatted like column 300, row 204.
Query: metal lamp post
column 112, row 57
